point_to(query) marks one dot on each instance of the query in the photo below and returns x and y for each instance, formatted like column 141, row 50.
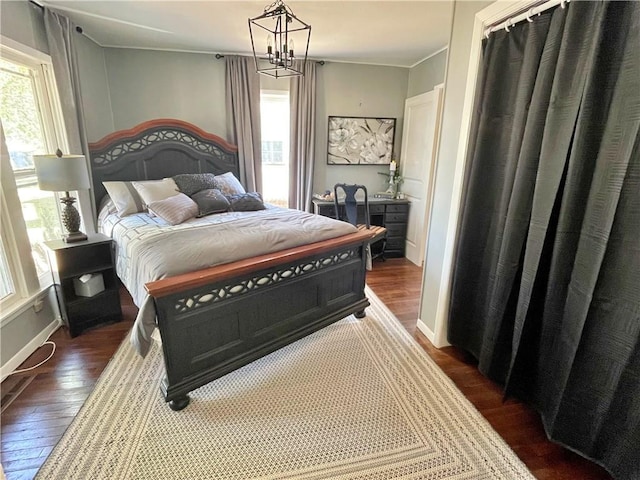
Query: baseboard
column 24, row 353
column 431, row 336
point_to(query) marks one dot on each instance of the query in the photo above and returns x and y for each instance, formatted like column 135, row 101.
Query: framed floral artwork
column 360, row 140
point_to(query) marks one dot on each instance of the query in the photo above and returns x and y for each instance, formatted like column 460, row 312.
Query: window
column 274, row 124
column 272, row 152
column 23, row 112
column 29, row 113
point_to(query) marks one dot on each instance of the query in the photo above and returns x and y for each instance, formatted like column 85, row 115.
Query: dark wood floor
column 38, row 406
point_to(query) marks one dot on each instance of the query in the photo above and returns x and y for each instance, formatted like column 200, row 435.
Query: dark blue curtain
column 546, row 284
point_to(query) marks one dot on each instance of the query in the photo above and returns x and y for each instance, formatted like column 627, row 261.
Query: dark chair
column 350, row 214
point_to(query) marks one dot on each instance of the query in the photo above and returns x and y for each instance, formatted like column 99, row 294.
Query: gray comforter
column 148, row 249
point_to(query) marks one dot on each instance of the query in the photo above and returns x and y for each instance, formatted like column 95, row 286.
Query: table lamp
column 64, row 173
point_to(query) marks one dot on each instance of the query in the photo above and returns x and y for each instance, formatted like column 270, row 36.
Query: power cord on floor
column 40, row 363
column 53, row 350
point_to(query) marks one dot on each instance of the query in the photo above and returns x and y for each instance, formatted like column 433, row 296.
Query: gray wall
column 454, row 91
column 427, row 74
column 347, row 89
column 94, row 85
column 147, row 84
column 26, row 326
column 23, row 22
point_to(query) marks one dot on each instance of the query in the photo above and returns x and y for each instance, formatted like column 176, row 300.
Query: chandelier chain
column 278, row 3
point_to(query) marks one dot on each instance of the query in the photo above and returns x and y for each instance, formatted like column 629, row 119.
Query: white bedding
column 148, row 249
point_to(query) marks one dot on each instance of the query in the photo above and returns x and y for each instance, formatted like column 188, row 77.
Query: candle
column 392, row 166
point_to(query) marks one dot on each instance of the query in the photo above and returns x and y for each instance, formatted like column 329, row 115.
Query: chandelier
column 284, row 30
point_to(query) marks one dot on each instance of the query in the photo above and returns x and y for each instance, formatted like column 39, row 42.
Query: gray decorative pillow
column 245, row 202
column 228, row 184
column 210, row 201
column 190, row 183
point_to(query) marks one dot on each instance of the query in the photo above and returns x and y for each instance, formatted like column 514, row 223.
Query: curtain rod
column 41, row 7
column 524, row 15
column 319, row 62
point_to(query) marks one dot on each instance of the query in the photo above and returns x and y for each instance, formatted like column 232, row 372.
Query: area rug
column 359, row 399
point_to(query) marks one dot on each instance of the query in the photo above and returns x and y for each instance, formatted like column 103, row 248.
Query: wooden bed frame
column 216, row 320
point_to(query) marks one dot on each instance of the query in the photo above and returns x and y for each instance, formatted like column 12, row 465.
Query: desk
column 389, row 213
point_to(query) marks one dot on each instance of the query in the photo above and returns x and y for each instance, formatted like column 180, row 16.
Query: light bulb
column 269, row 45
column 291, row 48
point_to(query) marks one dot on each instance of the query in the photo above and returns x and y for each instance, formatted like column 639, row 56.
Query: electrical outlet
column 38, row 304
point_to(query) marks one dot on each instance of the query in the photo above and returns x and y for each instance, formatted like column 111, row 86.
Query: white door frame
column 439, row 91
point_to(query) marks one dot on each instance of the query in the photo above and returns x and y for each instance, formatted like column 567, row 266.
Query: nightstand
column 69, row 262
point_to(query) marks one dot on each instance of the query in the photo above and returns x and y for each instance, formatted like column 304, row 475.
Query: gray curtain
column 546, row 283
column 303, row 137
column 243, row 117
column 62, row 38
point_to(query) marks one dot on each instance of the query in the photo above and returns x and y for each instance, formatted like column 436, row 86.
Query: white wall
column 354, row 90
column 433, row 303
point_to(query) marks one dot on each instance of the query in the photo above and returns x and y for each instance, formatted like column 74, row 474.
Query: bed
column 220, row 315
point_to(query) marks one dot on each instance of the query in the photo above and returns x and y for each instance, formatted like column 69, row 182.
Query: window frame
column 13, row 265
column 271, row 151
column 17, row 247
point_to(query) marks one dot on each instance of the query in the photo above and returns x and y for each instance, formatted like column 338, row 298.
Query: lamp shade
column 61, row 174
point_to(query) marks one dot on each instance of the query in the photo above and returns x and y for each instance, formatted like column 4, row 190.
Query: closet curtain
column 303, row 136
column 546, row 282
column 242, row 85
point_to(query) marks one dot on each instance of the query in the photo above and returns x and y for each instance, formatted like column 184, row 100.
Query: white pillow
column 175, row 209
column 124, row 197
column 156, row 190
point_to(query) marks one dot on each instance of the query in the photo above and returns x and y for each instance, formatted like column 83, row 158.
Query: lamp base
column 71, row 221
column 74, row 237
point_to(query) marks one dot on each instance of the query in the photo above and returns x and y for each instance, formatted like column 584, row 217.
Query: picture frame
column 360, row 140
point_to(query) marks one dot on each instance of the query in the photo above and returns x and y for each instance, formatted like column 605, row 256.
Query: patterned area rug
column 359, row 399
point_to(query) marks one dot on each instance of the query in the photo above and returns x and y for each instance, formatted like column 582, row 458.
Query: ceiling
column 397, row 33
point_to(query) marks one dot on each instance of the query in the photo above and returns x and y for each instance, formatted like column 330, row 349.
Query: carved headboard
column 157, row 149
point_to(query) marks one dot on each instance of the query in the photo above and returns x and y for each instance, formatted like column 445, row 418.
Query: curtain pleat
column 499, row 190
column 302, row 137
column 546, row 283
column 242, row 84
column 62, row 38
column 575, row 59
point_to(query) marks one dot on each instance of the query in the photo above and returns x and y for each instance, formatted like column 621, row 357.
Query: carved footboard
column 220, row 319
